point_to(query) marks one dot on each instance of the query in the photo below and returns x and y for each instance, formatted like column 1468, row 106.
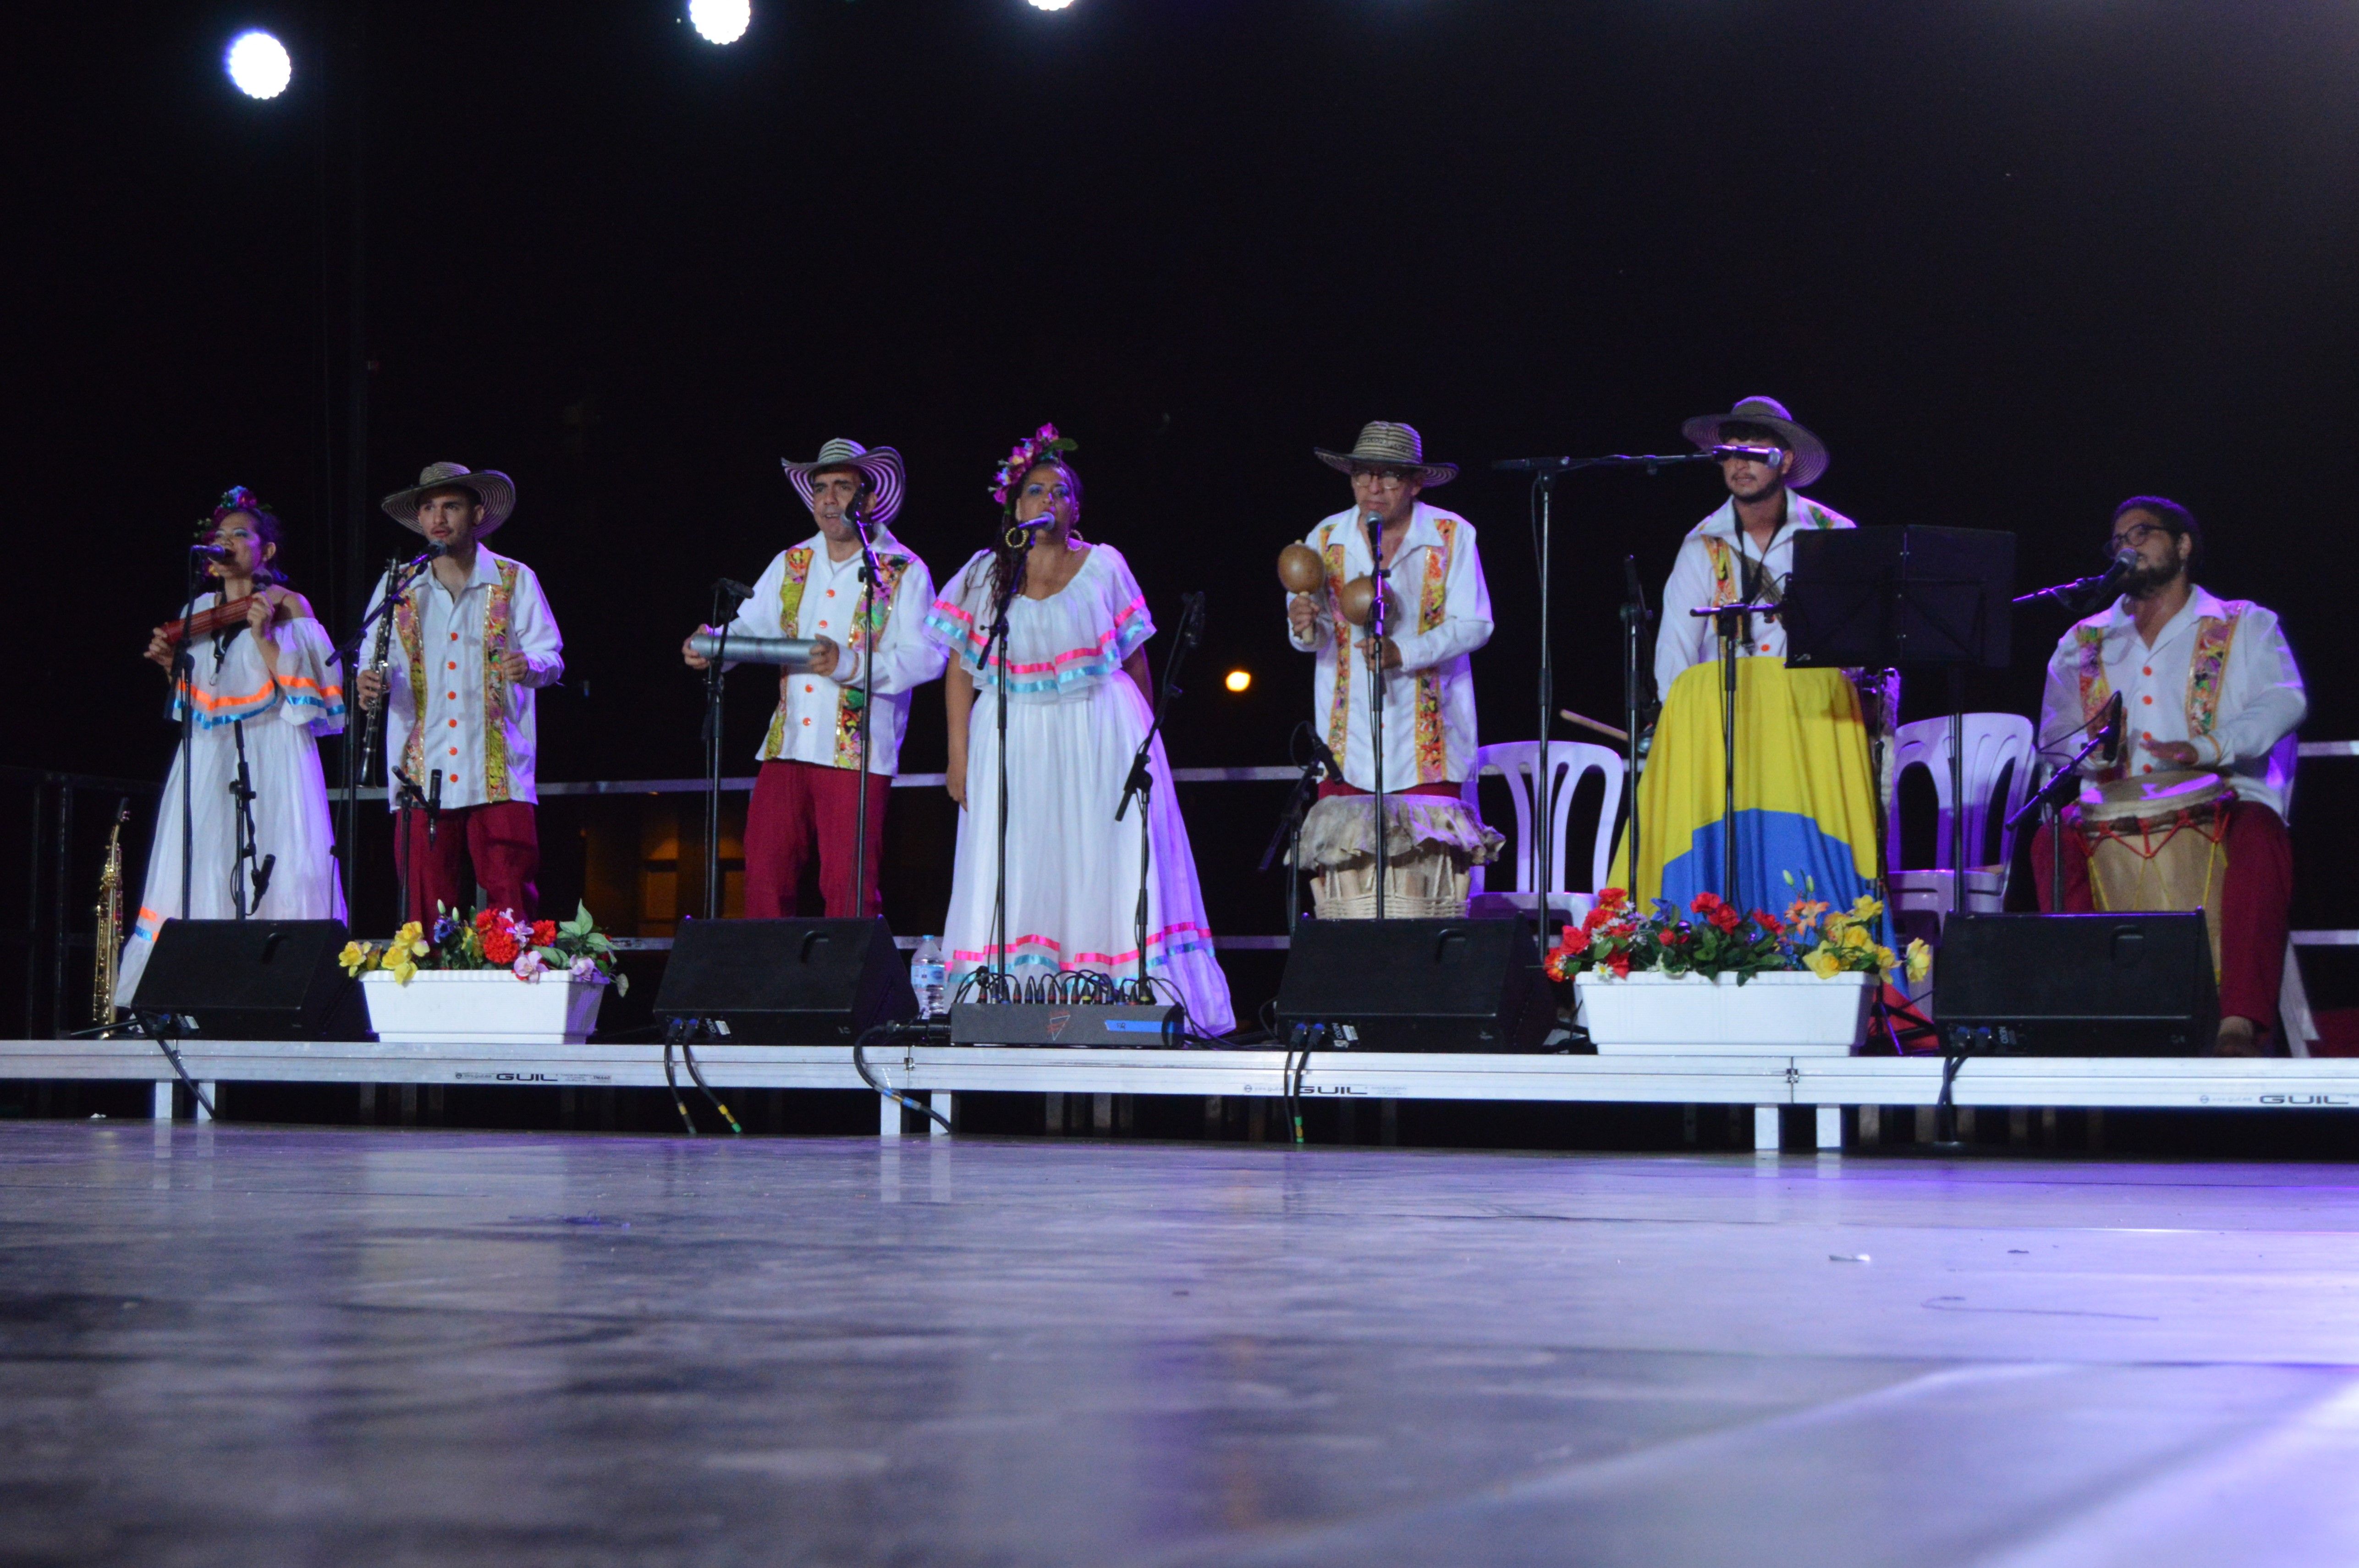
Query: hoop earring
column 1014, row 538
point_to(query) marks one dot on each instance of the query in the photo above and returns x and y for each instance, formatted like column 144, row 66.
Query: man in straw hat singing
column 474, row 642
column 1805, row 817
column 804, row 800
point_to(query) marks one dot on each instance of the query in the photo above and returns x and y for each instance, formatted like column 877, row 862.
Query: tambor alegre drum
column 2154, row 843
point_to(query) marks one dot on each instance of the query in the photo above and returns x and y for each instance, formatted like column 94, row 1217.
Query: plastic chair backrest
column 1993, row 741
column 1570, row 761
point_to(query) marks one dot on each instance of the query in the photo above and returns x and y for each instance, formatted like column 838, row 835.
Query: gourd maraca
column 1357, row 597
column 1300, row 570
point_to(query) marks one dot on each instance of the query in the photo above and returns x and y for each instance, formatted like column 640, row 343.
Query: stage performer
column 1079, row 705
column 2210, row 693
column 804, row 803
column 474, row 641
column 1806, row 801
column 261, row 689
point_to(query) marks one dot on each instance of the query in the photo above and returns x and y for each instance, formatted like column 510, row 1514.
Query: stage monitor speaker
column 2076, row 985
column 1420, row 985
column 786, row 982
column 254, row 979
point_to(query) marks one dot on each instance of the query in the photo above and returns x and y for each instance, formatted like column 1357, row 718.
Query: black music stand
column 1906, row 597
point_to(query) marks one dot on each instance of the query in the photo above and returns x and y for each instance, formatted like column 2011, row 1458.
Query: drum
column 2154, row 843
column 1433, row 844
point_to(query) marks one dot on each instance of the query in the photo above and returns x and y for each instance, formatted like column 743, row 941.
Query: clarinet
column 370, row 717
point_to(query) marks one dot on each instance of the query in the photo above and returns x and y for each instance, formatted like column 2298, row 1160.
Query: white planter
column 1785, row 1013
column 459, row 1006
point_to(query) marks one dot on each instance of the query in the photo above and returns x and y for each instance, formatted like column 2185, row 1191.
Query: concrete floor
column 265, row 1346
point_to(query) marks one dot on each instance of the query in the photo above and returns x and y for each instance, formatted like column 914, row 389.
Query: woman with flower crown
column 1077, row 706
column 264, row 691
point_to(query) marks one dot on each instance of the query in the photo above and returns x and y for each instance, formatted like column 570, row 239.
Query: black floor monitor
column 252, row 980
column 2076, row 985
column 786, row 982
column 1420, row 985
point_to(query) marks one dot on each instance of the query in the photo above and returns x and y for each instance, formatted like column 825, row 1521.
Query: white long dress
column 282, row 719
column 1074, row 720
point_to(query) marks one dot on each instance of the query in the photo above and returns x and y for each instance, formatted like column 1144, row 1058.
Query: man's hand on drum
column 2177, row 754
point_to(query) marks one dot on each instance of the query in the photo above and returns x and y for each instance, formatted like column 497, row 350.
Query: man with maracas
column 1438, row 613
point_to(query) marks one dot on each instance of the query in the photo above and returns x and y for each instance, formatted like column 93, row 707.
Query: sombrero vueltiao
column 881, row 468
column 1810, row 452
column 494, row 489
column 1386, row 444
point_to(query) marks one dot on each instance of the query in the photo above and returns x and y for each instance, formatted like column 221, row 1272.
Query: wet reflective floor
column 262, row 1346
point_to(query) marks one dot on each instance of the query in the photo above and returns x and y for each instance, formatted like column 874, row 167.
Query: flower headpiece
column 236, row 499
column 1026, row 455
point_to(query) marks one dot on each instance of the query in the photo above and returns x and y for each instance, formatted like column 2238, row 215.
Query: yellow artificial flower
column 403, row 971
column 354, row 957
column 1856, row 937
column 1920, row 961
column 409, row 934
column 1886, row 960
column 1825, row 963
column 1865, row 907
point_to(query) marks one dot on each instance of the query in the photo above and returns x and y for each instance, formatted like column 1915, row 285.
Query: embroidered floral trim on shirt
column 2216, row 636
column 496, row 684
column 790, row 605
column 865, row 629
column 1339, row 711
column 1432, row 750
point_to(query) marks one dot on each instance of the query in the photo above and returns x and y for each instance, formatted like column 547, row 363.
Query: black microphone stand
column 1141, row 781
column 249, row 851
column 999, row 986
column 725, row 603
column 1376, row 619
column 184, row 671
column 1544, row 471
column 1322, row 765
column 405, row 799
column 399, row 578
column 1735, row 623
column 2051, row 797
column 866, row 625
column 1636, row 680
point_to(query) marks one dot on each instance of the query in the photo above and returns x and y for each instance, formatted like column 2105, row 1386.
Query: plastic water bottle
column 928, row 976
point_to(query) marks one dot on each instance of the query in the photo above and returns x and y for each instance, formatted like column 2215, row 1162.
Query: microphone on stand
column 1324, row 756
column 2113, row 731
column 1765, row 456
column 216, row 553
column 730, row 587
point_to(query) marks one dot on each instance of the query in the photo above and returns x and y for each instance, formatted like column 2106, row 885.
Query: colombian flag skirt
column 1804, row 802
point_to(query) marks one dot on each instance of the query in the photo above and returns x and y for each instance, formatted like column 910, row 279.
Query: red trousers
column 799, row 809
column 2255, row 901
column 503, row 839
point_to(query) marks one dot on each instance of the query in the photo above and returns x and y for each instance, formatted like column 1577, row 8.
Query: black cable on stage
column 671, row 1080
column 689, row 1056
column 860, row 1066
column 159, row 1030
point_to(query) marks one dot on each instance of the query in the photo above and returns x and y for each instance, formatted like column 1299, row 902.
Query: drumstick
column 1567, row 713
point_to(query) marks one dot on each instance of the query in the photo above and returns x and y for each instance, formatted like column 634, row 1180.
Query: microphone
column 1325, row 757
column 1632, row 587
column 1765, row 456
column 731, row 587
column 211, row 552
column 2116, row 574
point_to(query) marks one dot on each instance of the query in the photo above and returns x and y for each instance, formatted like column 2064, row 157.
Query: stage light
column 720, row 21
column 258, row 63
column 1050, row 4
column 1238, row 680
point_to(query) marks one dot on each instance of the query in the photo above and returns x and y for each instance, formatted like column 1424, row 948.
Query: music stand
column 1906, row 597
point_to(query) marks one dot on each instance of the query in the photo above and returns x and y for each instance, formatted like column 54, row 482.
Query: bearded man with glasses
column 2208, row 686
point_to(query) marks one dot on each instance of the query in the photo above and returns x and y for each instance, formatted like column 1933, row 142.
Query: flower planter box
column 1784, row 1013
column 459, row 1006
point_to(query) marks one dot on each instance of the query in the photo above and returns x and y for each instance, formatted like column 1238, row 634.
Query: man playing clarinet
column 805, row 802
column 2209, row 691
column 474, row 641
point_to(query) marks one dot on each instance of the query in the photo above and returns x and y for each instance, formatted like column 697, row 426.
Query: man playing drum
column 2191, row 813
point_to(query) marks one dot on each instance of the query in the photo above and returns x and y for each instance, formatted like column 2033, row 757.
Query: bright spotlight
column 258, row 63
column 720, row 21
column 1238, row 680
column 1050, row 4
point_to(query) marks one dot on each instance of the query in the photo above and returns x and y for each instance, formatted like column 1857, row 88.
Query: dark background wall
column 2013, row 261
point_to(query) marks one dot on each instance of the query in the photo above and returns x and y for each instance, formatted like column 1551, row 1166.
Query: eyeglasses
column 1379, row 479
column 2133, row 537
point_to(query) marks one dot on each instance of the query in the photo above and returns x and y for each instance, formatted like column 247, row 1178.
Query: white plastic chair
column 1991, row 741
column 1568, row 762
column 2296, row 1024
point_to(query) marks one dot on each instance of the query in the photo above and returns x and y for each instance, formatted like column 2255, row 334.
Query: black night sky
column 2013, row 259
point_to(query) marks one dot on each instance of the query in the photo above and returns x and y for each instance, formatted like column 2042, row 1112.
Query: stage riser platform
column 1767, row 1083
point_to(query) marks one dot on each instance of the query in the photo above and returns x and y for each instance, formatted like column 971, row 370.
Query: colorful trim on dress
column 1045, row 952
column 2089, row 657
column 954, row 625
column 790, row 605
column 1339, row 711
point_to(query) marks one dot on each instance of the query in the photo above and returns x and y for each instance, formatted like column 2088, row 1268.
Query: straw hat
column 881, row 468
column 494, row 489
column 1390, row 445
column 1810, row 452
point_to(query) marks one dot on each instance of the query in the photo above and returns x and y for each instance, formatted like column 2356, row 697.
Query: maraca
column 1300, row 570
column 1357, row 597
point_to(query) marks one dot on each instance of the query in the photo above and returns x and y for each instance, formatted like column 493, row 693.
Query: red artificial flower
column 1769, row 923
column 1596, row 917
column 483, row 918
column 544, row 933
column 1575, row 941
column 1620, row 964
column 1676, row 937
column 1724, row 916
column 499, row 946
column 1705, row 903
column 1612, row 898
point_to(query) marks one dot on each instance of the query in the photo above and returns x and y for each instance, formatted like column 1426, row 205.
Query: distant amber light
column 1238, row 680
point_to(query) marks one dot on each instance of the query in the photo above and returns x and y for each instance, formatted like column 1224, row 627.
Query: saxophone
column 107, row 971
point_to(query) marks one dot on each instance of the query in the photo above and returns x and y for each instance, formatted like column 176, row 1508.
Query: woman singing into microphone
column 263, row 692
column 1078, row 708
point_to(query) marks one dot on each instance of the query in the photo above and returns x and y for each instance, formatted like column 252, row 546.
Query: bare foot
column 2236, row 1039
